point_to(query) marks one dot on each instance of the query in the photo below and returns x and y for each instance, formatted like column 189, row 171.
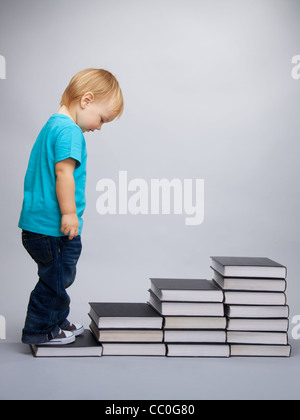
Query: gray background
column 209, row 95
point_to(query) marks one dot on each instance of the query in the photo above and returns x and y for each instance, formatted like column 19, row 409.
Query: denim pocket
column 38, row 247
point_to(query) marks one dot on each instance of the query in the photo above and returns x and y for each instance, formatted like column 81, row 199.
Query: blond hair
column 101, row 83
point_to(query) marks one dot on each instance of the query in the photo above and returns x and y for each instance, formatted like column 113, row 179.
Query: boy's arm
column 65, row 191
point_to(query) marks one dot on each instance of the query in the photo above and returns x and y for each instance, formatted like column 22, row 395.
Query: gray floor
column 113, row 378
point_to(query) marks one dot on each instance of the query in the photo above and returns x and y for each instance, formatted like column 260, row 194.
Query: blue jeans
column 49, row 304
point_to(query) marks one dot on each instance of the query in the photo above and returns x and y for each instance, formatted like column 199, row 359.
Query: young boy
column 54, row 201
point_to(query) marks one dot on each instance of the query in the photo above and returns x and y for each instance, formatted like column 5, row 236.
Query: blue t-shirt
column 59, row 139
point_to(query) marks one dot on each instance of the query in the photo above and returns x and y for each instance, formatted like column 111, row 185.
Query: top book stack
column 255, row 304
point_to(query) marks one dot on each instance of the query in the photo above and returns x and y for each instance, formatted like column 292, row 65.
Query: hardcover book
column 125, row 316
column 186, row 308
column 134, row 349
column 246, row 337
column 281, row 325
column 251, row 350
column 129, row 336
column 195, row 336
column 195, row 322
column 248, row 267
column 198, row 350
column 242, row 311
column 255, row 298
column 250, row 284
column 186, row 290
column 84, row 346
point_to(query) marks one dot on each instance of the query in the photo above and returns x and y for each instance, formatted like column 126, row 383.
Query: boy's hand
column 70, row 225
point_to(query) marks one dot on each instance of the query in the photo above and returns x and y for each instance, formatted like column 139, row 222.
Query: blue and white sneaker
column 63, row 338
column 76, row 329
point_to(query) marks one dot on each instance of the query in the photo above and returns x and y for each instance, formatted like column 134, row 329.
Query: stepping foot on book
column 63, row 338
column 76, row 329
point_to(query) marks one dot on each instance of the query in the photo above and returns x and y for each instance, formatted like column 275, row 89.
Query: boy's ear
column 87, row 99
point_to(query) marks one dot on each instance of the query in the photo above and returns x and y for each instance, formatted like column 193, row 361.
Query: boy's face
column 93, row 113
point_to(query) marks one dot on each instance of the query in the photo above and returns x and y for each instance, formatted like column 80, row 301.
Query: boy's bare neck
column 65, row 111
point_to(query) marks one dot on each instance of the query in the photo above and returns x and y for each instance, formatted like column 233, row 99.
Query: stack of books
column 194, row 319
column 242, row 311
column 127, row 329
column 255, row 304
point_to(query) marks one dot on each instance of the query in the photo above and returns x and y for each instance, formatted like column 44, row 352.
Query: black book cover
column 247, row 262
column 185, row 284
column 124, row 310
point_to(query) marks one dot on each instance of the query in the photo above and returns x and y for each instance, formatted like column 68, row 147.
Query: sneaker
column 63, row 338
column 76, row 329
